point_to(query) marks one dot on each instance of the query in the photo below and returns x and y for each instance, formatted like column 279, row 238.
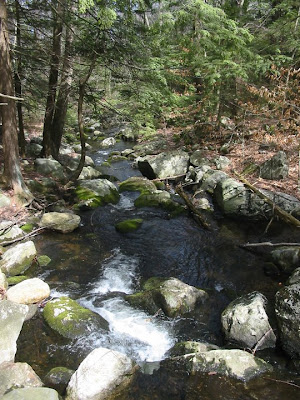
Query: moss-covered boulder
column 14, row 280
column 159, row 198
column 189, row 347
column 70, row 319
column 137, row 184
column 129, row 225
column 58, row 378
column 18, row 259
column 96, row 192
column 170, row 295
column 43, row 260
column 61, row 222
column 32, row 394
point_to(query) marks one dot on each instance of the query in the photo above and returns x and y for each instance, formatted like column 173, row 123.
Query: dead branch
column 280, row 381
column 6, row 96
column 283, row 215
column 269, row 244
column 30, row 234
column 195, row 213
column 260, row 341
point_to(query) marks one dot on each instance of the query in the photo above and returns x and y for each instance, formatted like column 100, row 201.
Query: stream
column 97, row 266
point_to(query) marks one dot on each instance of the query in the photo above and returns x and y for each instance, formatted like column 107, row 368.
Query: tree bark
column 12, row 168
column 53, row 78
column 18, row 83
column 61, row 106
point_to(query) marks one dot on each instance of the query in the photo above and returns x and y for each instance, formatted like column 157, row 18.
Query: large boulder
column 9, row 232
column 70, row 319
column 96, row 192
column 58, row 378
column 49, row 167
column 104, row 374
column 17, row 375
column 35, row 393
column 170, row 295
column 18, row 259
column 276, row 168
column 137, row 184
column 61, row 222
column 164, row 165
column 287, row 308
column 89, row 173
column 72, row 161
column 128, row 135
column 12, row 316
column 30, row 291
column 233, row 363
column 287, row 258
column 108, row 142
column 245, row 322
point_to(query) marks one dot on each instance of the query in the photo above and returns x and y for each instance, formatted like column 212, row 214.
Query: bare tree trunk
column 53, row 78
column 18, row 83
column 12, row 168
column 61, row 106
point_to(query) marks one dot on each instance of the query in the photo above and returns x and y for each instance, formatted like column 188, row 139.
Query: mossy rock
column 160, row 185
column 71, row 320
column 137, row 184
column 14, row 280
column 159, row 199
column 96, row 192
column 58, row 378
column 27, row 228
column 43, row 260
column 189, row 347
column 116, row 158
column 143, row 301
column 129, row 225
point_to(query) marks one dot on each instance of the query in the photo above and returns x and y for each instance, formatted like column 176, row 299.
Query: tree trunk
column 12, row 168
column 18, row 83
column 61, row 106
column 53, row 78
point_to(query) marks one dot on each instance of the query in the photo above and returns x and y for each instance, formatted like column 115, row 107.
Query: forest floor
column 256, row 147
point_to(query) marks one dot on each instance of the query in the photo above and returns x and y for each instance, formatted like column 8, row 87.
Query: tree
column 12, row 168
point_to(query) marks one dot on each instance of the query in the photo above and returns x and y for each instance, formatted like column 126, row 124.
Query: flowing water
column 98, row 266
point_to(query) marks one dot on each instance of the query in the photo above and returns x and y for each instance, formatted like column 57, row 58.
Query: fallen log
column 194, row 212
column 278, row 211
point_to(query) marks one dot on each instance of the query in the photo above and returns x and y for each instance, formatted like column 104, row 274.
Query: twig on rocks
column 30, row 234
column 280, row 381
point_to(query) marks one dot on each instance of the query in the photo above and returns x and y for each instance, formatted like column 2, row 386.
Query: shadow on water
column 97, row 266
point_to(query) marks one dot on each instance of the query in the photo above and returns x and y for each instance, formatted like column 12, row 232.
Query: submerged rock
column 61, row 222
column 170, row 295
column 12, row 316
column 159, row 198
column 29, row 291
column 17, row 375
column 287, row 308
column 129, row 225
column 96, row 192
column 245, row 322
column 71, row 320
column 276, row 168
column 18, row 259
column 164, row 165
column 32, row 394
column 103, row 374
column 287, row 258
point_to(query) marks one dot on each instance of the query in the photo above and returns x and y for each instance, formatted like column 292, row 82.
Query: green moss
column 27, row 228
column 143, row 300
column 106, row 164
column 71, row 320
column 13, row 280
column 116, row 158
column 90, row 199
column 153, row 283
column 129, row 225
column 43, row 260
column 137, row 184
column 160, row 185
column 160, row 199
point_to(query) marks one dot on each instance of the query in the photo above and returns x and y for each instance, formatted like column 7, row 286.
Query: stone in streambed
column 129, row 225
column 58, row 378
column 9, row 232
column 32, row 394
column 18, row 259
column 61, row 222
column 137, row 184
column 95, row 193
column 71, row 320
column 29, row 291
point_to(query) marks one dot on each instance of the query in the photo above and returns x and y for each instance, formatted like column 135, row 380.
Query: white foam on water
column 119, row 274
column 125, row 203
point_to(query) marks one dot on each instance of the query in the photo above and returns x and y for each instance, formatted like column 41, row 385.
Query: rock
column 222, row 162
column 96, row 192
column 71, row 320
column 103, row 374
column 77, row 147
column 210, row 179
column 29, row 291
column 295, row 277
column 276, row 168
column 17, row 375
column 287, row 258
column 170, row 295
column 234, row 363
column 3, row 282
column 153, row 147
column 58, row 378
column 34, row 149
column 189, row 347
column 89, row 173
column 32, row 394
column 43, row 261
column 246, row 323
column 197, row 159
column 18, row 259
column 129, row 225
column 71, row 162
column 12, row 316
column 4, row 200
column 108, row 142
column 137, row 184
column 128, row 135
column 159, row 198
column 287, row 308
column 9, row 232
column 47, row 166
column 61, row 222
column 164, row 165
column 13, row 280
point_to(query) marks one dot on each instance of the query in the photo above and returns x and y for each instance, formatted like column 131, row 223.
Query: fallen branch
column 280, row 381
column 6, row 96
column 283, row 215
column 260, row 341
column 30, row 234
column 269, row 244
column 195, row 213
